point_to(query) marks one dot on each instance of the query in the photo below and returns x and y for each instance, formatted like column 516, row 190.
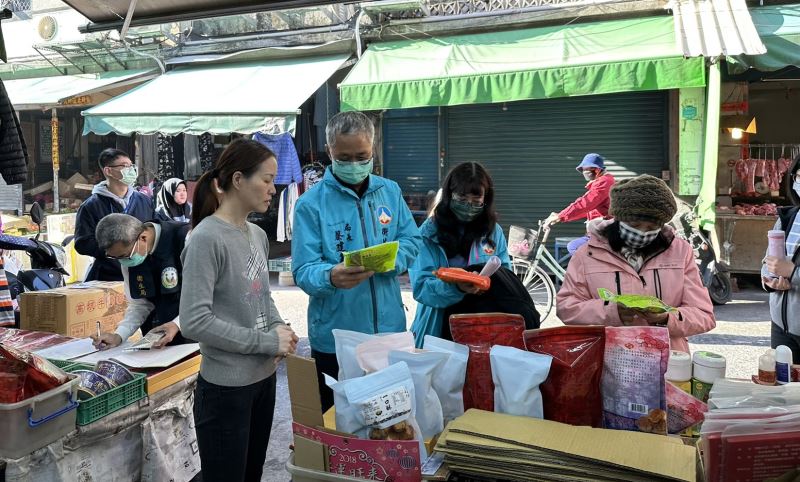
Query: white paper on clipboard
column 158, row 358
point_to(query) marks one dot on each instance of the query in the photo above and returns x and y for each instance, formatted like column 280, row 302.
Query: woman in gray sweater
column 227, row 307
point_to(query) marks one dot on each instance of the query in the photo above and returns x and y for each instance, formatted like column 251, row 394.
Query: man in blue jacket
column 350, row 210
column 114, row 195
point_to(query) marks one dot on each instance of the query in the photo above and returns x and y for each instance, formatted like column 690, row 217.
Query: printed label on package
column 386, row 409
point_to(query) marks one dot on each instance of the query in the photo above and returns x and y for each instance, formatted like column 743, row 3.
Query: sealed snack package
column 378, row 406
column 480, row 332
column 423, row 366
column 448, row 381
column 41, row 374
column 373, row 354
column 517, row 375
column 636, row 302
column 633, row 384
column 346, row 342
column 683, row 410
column 571, row 393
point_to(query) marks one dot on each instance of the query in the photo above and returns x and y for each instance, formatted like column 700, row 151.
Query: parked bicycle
column 534, row 265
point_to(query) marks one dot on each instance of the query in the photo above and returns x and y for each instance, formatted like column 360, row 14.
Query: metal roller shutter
column 531, row 148
column 411, row 149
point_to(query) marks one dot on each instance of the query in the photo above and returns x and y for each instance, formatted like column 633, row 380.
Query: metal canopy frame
column 110, row 14
column 100, row 53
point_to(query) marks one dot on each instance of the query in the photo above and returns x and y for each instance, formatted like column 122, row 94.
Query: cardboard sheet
column 484, row 441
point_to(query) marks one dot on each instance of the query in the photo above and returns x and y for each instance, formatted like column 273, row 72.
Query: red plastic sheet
column 480, row 332
column 571, row 393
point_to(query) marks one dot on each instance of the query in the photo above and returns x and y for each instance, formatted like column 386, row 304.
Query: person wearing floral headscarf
column 172, row 201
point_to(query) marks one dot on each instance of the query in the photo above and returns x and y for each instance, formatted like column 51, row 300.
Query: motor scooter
column 47, row 262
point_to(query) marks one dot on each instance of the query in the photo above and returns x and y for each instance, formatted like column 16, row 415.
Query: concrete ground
column 742, row 334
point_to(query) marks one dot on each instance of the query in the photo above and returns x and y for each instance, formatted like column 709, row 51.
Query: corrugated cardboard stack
column 520, row 448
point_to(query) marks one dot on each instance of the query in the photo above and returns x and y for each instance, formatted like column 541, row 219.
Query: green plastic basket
column 62, row 364
column 109, row 402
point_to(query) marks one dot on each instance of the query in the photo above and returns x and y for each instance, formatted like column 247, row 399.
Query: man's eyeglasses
column 133, row 250
column 355, row 163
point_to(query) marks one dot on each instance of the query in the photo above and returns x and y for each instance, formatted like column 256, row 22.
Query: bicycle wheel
column 540, row 288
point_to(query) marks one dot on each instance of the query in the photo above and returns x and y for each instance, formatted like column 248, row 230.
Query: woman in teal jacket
column 463, row 231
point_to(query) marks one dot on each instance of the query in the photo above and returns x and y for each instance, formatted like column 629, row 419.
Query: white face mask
column 796, row 187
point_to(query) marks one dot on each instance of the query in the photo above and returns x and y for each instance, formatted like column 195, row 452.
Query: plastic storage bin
column 38, row 421
column 300, row 474
column 109, row 402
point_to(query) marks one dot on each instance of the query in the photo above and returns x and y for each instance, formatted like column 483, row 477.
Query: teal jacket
column 434, row 295
column 330, row 219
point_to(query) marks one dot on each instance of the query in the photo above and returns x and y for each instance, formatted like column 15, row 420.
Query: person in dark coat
column 114, row 195
column 13, row 152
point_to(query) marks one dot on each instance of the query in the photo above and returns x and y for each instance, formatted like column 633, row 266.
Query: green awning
column 583, row 59
column 222, row 98
column 779, row 29
column 48, row 92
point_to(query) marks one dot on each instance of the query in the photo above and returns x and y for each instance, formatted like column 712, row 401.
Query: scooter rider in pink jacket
column 637, row 253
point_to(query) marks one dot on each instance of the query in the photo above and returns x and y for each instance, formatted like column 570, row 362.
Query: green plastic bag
column 380, row 258
column 636, row 302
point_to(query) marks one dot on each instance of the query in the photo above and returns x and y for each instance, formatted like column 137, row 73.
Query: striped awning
column 714, row 28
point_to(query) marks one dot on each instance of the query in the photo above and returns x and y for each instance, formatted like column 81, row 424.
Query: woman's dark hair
column 241, row 155
column 466, row 178
column 109, row 155
column 789, row 182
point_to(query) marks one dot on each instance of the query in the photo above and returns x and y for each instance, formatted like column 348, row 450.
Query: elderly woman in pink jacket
column 637, row 253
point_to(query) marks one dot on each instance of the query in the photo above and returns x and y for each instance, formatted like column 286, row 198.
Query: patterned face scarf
column 634, row 238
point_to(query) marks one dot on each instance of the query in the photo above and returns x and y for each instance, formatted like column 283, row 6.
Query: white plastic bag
column 346, row 342
column 517, row 375
column 448, row 381
column 373, row 354
column 378, row 406
column 423, row 366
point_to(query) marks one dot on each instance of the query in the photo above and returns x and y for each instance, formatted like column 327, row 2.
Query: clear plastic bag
column 683, row 410
column 448, row 381
column 373, row 354
column 517, row 375
column 378, row 406
column 423, row 366
column 346, row 342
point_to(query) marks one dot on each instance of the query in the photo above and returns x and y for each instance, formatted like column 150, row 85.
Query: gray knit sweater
column 226, row 303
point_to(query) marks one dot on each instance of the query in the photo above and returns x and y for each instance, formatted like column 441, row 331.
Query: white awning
column 713, row 28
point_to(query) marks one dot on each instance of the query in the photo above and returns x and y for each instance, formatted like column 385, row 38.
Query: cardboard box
column 343, row 454
column 74, row 310
column 157, row 381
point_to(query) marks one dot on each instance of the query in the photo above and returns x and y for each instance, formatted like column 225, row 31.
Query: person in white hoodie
column 114, row 195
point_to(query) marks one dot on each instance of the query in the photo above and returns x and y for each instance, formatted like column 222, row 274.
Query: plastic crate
column 62, row 364
column 280, row 265
column 109, row 402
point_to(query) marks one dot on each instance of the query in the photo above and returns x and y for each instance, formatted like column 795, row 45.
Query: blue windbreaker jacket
column 330, row 219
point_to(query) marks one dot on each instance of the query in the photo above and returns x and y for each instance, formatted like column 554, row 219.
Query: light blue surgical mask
column 352, row 173
column 796, row 187
column 135, row 259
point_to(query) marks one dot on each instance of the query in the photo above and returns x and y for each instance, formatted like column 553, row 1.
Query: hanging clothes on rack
column 282, row 145
column 166, row 157
column 286, row 212
column 206, row 147
column 312, row 174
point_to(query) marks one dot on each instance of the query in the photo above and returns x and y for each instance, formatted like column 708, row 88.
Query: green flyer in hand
column 380, row 258
column 636, row 302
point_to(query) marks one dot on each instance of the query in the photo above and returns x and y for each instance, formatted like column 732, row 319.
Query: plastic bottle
column 679, row 370
column 783, row 360
column 766, row 367
column 776, row 244
column 492, row 266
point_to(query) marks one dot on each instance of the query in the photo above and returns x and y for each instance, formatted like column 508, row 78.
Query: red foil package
column 13, row 375
column 41, row 374
column 480, row 332
column 571, row 392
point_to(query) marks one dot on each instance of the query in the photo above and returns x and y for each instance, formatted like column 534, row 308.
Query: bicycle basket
column 522, row 242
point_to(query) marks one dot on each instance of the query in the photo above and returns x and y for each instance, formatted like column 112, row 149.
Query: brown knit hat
column 643, row 198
